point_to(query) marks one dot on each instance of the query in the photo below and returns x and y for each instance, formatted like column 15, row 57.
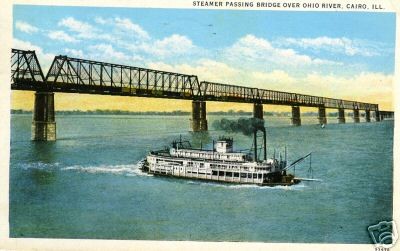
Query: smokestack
column 255, row 145
column 265, row 143
column 247, row 127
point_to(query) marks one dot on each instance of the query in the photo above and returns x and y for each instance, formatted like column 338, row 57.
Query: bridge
column 74, row 75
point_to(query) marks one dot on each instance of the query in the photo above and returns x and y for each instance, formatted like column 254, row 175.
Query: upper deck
column 210, row 155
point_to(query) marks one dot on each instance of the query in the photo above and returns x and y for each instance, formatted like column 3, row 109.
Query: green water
column 87, row 185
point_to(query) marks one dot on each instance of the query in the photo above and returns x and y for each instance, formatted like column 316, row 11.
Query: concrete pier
column 367, row 116
column 356, row 115
column 322, row 115
column 341, row 117
column 258, row 111
column 199, row 116
column 377, row 116
column 44, row 124
column 296, row 120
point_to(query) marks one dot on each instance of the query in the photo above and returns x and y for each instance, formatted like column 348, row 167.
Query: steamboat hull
column 223, row 176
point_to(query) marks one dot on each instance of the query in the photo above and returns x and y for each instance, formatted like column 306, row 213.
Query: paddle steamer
column 221, row 164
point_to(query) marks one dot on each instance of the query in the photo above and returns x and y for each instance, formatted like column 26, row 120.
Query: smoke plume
column 243, row 125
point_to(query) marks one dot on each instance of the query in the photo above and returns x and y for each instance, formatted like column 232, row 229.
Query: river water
column 87, row 183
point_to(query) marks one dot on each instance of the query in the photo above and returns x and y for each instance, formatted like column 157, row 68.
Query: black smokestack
column 247, row 126
column 255, row 146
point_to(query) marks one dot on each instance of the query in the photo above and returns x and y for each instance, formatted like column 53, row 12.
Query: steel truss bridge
column 73, row 75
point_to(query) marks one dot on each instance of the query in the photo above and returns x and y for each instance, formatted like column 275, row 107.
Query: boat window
column 229, row 174
column 249, row 175
column 243, row 175
column 236, row 174
column 221, row 173
column 214, row 172
column 259, row 175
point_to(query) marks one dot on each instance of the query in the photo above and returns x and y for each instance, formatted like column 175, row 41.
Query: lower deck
column 261, row 179
column 231, row 177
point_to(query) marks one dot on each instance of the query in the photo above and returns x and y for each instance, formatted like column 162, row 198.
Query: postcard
column 199, row 124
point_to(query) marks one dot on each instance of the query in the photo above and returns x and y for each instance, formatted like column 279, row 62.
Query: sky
column 348, row 55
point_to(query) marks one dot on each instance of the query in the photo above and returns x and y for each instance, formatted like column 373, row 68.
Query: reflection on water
column 43, row 177
column 45, row 152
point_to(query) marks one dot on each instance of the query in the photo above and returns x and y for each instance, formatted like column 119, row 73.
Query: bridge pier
column 377, row 116
column 199, row 116
column 341, row 117
column 367, row 116
column 44, row 124
column 322, row 115
column 296, row 120
column 258, row 111
column 356, row 115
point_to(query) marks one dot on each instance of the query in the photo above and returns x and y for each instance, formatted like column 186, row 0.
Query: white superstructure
column 219, row 164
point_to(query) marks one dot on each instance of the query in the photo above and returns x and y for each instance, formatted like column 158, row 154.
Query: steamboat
column 221, row 164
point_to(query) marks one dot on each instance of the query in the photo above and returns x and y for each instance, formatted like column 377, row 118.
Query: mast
column 285, row 155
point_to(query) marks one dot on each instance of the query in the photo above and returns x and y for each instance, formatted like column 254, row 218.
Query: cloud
column 362, row 84
column 100, row 20
column 126, row 25
column 205, row 69
column 74, row 53
column 83, row 29
column 126, row 35
column 62, row 36
column 173, row 45
column 372, row 87
column 275, row 77
column 251, row 49
column 108, row 53
column 219, row 72
column 25, row 27
column 342, row 45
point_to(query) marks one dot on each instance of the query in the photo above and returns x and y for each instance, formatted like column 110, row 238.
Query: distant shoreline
column 176, row 113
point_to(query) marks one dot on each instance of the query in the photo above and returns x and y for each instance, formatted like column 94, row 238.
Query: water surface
column 87, row 184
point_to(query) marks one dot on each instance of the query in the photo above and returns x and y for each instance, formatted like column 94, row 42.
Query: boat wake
column 127, row 170
column 37, row 165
